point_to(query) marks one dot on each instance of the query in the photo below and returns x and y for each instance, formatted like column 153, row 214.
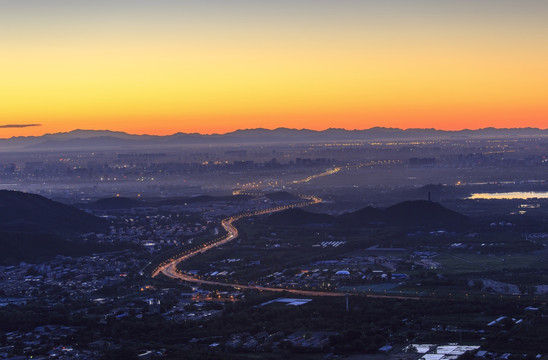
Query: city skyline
column 214, row 67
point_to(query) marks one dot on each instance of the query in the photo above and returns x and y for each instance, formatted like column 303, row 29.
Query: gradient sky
column 163, row 66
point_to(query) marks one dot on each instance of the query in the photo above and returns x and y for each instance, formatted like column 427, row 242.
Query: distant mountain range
column 93, row 139
column 408, row 214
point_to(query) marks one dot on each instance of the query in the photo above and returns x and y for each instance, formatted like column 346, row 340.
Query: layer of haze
column 164, row 66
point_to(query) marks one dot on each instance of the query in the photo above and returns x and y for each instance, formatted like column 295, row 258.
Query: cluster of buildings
column 43, row 342
column 264, row 341
column 354, row 270
column 65, row 276
column 151, row 230
column 328, row 274
column 440, row 352
column 158, row 228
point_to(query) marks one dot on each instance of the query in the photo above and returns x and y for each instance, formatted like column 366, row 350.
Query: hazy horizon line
column 264, row 128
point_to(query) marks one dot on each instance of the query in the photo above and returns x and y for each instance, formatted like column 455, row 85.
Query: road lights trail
column 169, row 267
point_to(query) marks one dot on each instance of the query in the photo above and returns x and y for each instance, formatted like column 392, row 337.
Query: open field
column 465, row 263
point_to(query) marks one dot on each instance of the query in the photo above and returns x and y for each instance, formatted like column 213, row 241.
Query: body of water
column 518, row 195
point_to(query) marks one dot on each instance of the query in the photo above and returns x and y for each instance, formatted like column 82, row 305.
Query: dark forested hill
column 34, row 227
column 417, row 213
column 409, row 214
column 25, row 212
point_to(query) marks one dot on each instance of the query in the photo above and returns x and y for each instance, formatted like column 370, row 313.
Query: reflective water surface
column 510, row 195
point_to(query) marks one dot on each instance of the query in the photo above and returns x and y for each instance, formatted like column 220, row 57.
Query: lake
column 518, row 195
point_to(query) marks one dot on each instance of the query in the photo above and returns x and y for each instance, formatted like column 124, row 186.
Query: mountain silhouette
column 409, row 214
column 31, row 213
column 423, row 213
column 93, row 139
column 33, row 227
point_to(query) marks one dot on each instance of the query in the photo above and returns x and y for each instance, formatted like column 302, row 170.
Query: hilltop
column 409, row 214
column 33, row 227
column 30, row 213
column 415, row 213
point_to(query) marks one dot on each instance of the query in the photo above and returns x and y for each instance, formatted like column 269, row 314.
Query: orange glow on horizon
column 441, row 119
column 213, row 67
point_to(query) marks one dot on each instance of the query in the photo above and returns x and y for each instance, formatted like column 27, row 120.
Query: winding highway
column 169, row 266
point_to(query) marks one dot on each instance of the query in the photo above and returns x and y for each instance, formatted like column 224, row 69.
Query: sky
column 214, row 66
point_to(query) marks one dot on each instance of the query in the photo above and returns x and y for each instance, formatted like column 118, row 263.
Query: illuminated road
column 250, row 187
column 337, row 169
column 325, row 173
column 173, row 273
column 169, row 267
